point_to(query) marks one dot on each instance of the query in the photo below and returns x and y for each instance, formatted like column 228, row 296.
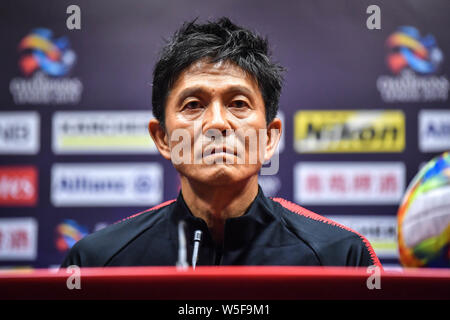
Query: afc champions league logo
column 415, row 62
column 39, row 51
column 408, row 49
column 68, row 233
column 45, row 61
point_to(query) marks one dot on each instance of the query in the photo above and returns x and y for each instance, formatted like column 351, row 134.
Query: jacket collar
column 239, row 231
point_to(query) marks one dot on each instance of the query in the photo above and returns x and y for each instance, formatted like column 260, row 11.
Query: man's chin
column 220, row 174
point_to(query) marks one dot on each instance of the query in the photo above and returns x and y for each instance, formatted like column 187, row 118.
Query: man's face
column 212, row 113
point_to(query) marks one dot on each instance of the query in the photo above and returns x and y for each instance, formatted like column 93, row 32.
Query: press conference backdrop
column 364, row 105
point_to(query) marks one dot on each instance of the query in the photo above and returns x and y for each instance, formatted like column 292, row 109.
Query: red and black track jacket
column 273, row 231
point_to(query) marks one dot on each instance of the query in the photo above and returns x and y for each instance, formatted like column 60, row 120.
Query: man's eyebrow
column 192, row 91
column 198, row 90
column 241, row 89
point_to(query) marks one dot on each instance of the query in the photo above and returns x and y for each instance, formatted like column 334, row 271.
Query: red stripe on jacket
column 295, row 208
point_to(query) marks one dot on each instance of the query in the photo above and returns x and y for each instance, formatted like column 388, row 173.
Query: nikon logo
column 349, row 131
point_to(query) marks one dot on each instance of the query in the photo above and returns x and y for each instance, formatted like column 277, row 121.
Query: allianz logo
column 106, row 184
column 86, row 184
column 438, row 130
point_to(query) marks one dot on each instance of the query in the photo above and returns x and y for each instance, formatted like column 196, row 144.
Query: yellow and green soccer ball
column 424, row 217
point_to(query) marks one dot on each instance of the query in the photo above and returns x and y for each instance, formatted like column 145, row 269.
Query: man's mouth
column 219, row 151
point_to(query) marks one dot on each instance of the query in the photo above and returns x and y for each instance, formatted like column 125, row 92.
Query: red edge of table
column 225, row 283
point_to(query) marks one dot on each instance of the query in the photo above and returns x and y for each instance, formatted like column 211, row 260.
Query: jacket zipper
column 218, row 263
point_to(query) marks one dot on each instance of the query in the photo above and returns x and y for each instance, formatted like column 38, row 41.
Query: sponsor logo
column 414, row 60
column 106, row 184
column 339, row 183
column 434, row 130
column 408, row 49
column 102, row 132
column 68, row 233
column 18, row 239
column 381, row 231
column 349, row 131
column 44, row 62
column 18, row 186
column 19, row 132
column 41, row 52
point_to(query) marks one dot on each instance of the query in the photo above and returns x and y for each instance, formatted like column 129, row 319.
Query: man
column 216, row 92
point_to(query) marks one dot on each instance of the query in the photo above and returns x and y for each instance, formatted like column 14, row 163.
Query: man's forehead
column 221, row 66
column 205, row 69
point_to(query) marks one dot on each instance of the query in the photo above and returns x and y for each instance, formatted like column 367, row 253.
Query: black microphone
column 197, row 240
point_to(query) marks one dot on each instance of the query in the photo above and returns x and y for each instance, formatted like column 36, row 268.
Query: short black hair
column 219, row 41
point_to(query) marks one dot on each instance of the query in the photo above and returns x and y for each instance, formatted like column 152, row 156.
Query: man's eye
column 192, row 105
column 238, row 104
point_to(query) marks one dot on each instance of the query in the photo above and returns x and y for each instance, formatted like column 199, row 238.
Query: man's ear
column 160, row 137
column 274, row 130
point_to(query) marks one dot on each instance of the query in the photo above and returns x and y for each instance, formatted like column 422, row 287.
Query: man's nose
column 216, row 118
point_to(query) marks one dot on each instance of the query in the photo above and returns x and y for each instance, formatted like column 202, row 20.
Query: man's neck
column 215, row 204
